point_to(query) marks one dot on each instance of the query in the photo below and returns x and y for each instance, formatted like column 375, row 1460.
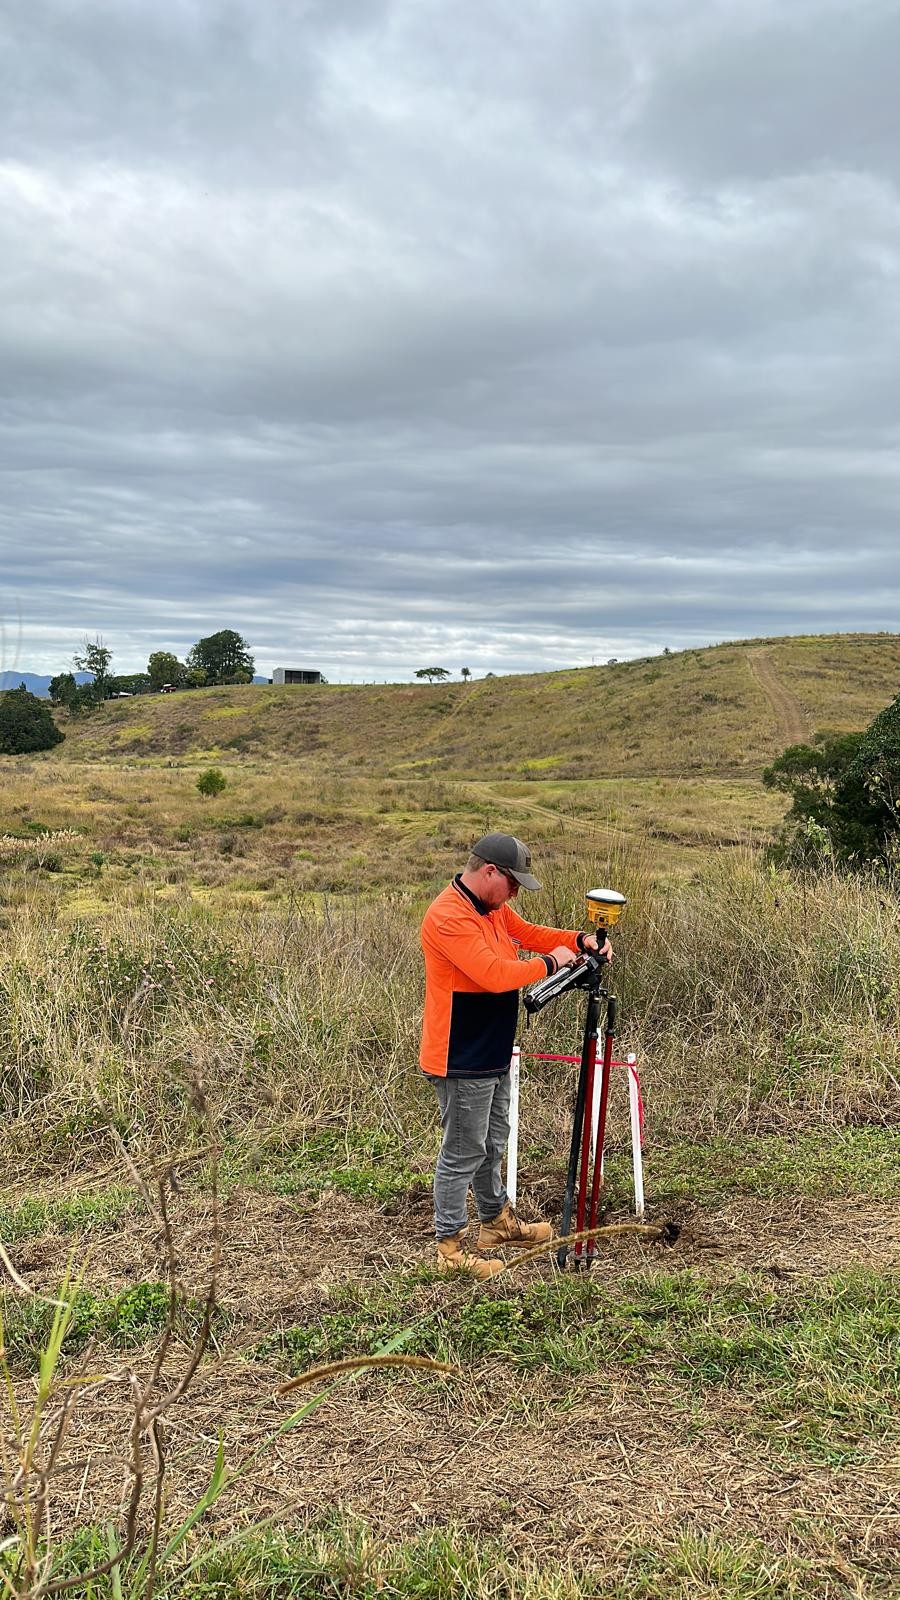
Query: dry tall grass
column 754, row 1000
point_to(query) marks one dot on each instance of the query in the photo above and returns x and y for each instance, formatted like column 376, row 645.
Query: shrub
column 212, row 781
column 25, row 724
column 845, row 792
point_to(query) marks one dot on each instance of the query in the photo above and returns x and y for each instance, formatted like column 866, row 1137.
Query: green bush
column 212, row 781
column 26, row 724
column 845, row 793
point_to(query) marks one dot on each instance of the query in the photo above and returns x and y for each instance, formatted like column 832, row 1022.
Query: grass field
column 712, row 1417
column 279, row 832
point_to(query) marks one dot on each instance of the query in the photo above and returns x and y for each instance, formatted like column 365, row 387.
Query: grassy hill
column 724, row 710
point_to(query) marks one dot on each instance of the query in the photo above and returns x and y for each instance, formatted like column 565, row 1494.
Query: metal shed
column 296, row 675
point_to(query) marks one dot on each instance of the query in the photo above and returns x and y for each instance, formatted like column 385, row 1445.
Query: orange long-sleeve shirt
column 472, row 980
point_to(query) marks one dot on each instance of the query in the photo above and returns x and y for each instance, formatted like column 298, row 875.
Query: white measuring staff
column 512, row 1149
column 637, row 1159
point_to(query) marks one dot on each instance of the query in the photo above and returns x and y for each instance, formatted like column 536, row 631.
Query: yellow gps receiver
column 604, row 908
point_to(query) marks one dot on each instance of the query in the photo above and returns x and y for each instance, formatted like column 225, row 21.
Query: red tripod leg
column 588, row 1059
column 606, row 1070
column 585, row 1145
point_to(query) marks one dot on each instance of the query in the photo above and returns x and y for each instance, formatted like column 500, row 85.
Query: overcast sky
column 395, row 333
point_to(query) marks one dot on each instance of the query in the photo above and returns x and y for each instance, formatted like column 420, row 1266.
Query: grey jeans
column 475, row 1120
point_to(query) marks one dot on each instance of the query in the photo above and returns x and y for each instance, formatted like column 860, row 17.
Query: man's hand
column 590, row 943
column 563, row 956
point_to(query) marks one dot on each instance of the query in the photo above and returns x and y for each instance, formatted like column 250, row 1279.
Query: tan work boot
column 506, row 1229
column 453, row 1258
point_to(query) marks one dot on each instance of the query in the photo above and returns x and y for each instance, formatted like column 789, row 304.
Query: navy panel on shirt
column 482, row 1033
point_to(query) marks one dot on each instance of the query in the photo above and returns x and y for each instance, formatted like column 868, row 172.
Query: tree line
column 223, row 657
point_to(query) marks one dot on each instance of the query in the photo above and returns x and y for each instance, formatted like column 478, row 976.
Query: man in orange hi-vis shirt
column 471, row 937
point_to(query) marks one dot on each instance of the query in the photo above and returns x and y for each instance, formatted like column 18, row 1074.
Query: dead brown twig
column 35, row 1444
column 19, row 1282
column 330, row 1369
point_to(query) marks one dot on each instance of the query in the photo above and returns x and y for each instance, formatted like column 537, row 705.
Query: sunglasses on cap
column 509, row 876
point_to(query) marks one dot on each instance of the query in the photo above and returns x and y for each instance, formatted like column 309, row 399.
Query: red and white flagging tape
column 636, row 1111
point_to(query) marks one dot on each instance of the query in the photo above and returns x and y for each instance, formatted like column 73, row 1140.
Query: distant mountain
column 37, row 682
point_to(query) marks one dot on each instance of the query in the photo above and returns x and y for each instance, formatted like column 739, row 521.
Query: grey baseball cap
column 506, row 851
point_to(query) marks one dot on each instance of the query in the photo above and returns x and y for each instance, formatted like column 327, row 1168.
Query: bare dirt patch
column 538, row 1464
column 542, row 1461
column 283, row 1251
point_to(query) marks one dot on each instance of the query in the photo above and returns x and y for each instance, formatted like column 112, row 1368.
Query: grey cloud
column 742, row 92
column 393, row 327
column 199, row 84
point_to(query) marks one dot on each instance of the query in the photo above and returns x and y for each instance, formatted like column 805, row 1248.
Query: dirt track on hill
column 789, row 714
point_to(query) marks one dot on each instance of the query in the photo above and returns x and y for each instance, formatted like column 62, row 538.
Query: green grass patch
column 377, row 1166
column 138, row 1313
column 823, row 1358
column 342, row 1557
column 247, row 819
column 68, row 1213
column 542, row 763
column 358, row 1162
column 820, row 1163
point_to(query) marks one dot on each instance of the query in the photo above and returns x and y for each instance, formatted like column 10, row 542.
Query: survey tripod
column 605, row 906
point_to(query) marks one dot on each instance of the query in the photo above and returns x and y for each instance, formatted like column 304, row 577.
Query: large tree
column 222, row 658
column 62, row 689
column 25, row 723
column 79, row 699
column 431, row 673
column 95, row 658
column 164, row 667
column 845, row 792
